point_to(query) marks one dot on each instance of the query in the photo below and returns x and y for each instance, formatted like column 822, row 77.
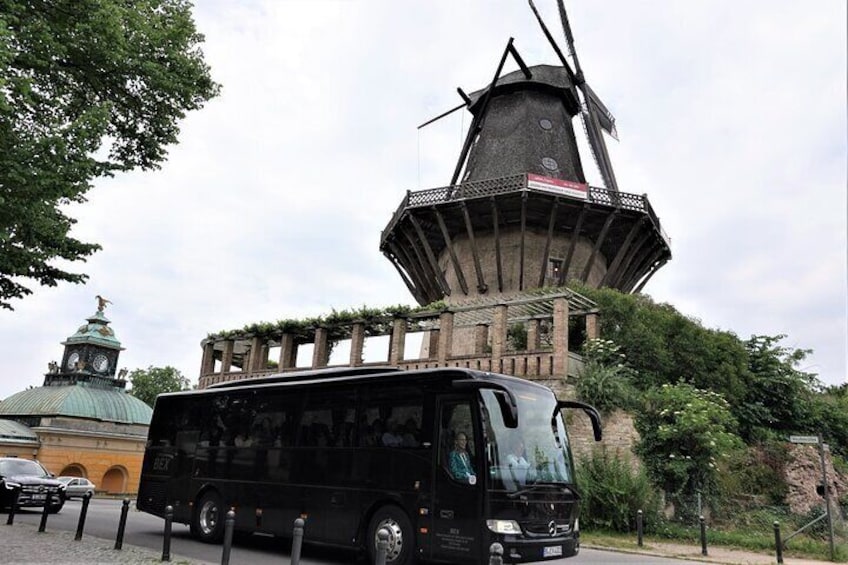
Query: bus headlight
column 504, row 526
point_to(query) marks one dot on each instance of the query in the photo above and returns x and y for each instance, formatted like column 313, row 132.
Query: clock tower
column 91, row 355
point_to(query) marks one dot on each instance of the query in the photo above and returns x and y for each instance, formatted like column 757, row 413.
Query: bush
column 613, row 491
column 684, row 432
column 605, row 382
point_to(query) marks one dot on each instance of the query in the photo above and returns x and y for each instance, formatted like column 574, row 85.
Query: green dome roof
column 96, row 331
column 79, row 400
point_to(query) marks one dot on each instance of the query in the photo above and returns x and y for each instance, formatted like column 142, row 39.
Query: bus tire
column 401, row 550
column 207, row 523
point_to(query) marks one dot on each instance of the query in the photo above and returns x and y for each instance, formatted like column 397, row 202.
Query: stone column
column 593, row 328
column 433, row 347
column 264, row 356
column 481, row 338
column 533, row 335
column 207, row 366
column 320, row 354
column 445, row 337
column 254, row 359
column 288, row 352
column 227, row 356
column 560, row 341
column 499, row 330
column 396, row 342
column 357, row 342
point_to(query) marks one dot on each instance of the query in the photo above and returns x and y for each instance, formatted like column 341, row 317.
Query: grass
column 756, row 541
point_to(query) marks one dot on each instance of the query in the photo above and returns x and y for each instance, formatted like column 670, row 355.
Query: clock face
column 72, row 360
column 100, row 363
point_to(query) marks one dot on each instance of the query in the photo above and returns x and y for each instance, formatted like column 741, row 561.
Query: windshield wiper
column 535, row 486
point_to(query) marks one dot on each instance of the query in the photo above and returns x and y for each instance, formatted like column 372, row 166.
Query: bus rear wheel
column 401, row 548
column 207, row 524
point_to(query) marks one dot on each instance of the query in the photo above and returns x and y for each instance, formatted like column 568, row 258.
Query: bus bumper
column 517, row 550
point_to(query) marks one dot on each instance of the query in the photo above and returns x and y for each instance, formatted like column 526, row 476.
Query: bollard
column 496, row 552
column 382, row 546
column 43, row 525
column 122, row 524
column 703, row 536
column 778, row 545
column 229, row 525
column 297, row 541
column 83, row 511
column 166, row 542
column 13, row 508
column 639, row 529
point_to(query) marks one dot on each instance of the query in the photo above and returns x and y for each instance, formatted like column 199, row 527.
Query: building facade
column 81, row 421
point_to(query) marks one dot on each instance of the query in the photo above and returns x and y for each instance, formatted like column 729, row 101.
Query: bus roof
column 354, row 375
column 296, row 376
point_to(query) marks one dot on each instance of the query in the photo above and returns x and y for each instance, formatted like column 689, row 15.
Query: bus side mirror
column 590, row 411
column 509, row 411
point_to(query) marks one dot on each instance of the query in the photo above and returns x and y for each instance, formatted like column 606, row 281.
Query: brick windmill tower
column 518, row 213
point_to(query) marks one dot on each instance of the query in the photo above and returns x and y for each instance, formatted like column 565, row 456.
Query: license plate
column 552, row 551
column 39, row 497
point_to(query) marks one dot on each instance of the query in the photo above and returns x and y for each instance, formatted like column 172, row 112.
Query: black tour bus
column 355, row 450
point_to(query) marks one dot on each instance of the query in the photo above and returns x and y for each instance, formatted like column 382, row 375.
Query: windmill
column 522, row 215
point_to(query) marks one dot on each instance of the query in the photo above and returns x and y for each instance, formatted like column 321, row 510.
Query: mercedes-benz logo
column 42, row 489
column 552, row 529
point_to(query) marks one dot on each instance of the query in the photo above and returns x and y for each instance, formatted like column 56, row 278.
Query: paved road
column 145, row 531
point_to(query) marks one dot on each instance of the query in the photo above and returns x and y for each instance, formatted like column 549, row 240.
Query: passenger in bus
column 377, row 430
column 460, row 462
column 392, row 437
column 410, row 434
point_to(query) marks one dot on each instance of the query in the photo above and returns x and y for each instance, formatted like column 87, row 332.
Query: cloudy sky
column 731, row 117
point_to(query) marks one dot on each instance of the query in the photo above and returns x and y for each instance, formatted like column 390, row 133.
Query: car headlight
column 12, row 486
column 577, row 525
column 63, row 486
column 504, row 526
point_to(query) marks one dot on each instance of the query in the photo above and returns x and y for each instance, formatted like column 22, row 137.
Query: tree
column 150, row 383
column 87, row 88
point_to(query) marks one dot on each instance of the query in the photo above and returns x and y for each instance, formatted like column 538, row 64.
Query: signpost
column 816, row 440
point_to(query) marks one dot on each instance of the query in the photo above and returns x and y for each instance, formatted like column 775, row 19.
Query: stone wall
column 804, row 473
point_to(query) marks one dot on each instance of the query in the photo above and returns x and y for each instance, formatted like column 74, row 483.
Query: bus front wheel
column 207, row 525
column 401, row 548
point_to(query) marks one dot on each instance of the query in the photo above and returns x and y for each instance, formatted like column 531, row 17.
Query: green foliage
column 377, row 321
column 87, row 88
column 684, row 432
column 516, row 337
column 606, row 382
column 150, row 383
column 757, row 471
column 664, row 345
column 779, row 397
column 612, row 491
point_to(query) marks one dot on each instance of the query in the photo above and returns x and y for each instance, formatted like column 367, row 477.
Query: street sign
column 804, row 439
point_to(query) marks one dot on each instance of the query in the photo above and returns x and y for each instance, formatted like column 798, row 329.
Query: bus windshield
column 537, row 451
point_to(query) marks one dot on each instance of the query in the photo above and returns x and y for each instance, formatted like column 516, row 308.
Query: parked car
column 77, row 487
column 32, row 483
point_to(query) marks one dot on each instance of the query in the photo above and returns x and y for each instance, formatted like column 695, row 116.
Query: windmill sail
column 605, row 118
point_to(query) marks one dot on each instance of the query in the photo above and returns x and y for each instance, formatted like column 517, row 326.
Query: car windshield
column 66, row 480
column 537, row 451
column 12, row 467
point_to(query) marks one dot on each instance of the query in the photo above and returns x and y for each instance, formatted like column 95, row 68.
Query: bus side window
column 327, row 420
column 392, row 420
column 457, row 442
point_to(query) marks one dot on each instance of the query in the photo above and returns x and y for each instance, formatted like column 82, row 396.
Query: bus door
column 458, row 484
